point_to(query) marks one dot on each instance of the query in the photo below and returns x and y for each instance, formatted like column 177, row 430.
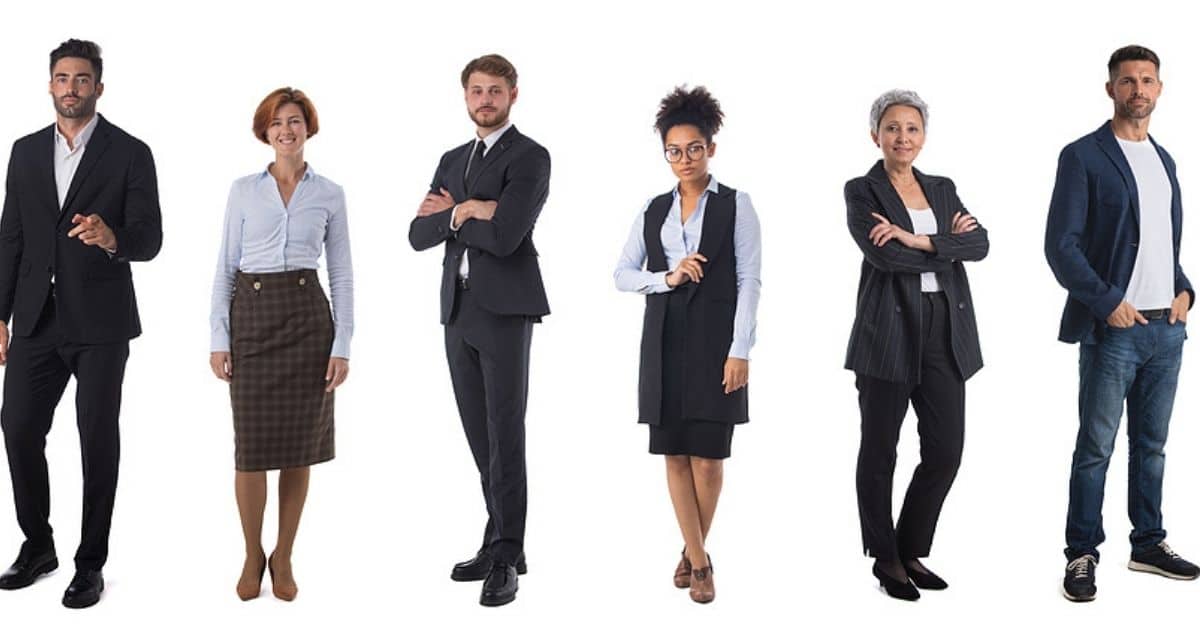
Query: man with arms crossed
column 483, row 202
column 80, row 203
column 1112, row 240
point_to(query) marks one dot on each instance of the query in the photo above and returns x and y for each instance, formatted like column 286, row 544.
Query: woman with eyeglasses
column 696, row 253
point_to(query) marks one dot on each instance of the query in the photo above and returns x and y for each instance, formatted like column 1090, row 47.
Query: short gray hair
column 897, row 97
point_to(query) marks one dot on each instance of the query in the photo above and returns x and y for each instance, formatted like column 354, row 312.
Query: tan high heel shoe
column 287, row 593
column 683, row 571
column 702, row 589
column 249, row 589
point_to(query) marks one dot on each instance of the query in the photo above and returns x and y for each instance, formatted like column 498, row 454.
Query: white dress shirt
column 464, row 268
column 67, row 157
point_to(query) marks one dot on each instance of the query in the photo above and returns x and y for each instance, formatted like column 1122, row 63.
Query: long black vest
column 711, row 305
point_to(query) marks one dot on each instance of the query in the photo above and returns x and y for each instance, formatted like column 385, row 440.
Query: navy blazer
column 886, row 339
column 1092, row 231
column 505, row 276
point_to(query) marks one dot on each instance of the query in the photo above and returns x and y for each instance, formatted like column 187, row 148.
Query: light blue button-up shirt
column 681, row 239
column 262, row 235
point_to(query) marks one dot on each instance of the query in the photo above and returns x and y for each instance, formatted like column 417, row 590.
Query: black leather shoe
column 895, row 588
column 478, row 568
column 500, row 588
column 924, row 579
column 25, row 570
column 84, row 590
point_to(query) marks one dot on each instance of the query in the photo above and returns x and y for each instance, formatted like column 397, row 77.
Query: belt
column 1153, row 314
column 463, row 283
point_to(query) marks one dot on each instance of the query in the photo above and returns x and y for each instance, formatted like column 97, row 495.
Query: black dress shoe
column 84, row 590
column 895, row 588
column 925, row 579
column 477, row 568
column 26, row 569
column 500, row 588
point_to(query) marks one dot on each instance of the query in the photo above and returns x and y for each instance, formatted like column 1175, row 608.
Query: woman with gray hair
column 914, row 338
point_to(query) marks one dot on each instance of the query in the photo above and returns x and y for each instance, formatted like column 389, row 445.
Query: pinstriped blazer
column 885, row 341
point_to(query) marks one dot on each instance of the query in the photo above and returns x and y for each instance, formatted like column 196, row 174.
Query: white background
column 1008, row 86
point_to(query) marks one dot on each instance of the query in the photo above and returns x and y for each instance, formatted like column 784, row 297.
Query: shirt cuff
column 453, row 212
column 341, row 346
column 740, row 349
column 659, row 284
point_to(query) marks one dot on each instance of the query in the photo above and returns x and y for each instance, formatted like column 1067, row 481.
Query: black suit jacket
column 885, row 341
column 93, row 291
column 505, row 277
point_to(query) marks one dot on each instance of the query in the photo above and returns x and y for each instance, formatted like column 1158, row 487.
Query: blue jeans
column 1138, row 366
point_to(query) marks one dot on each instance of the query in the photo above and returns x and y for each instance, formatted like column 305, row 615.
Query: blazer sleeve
column 971, row 246
column 429, row 231
column 12, row 241
column 517, row 208
column 1064, row 230
column 140, row 238
column 892, row 257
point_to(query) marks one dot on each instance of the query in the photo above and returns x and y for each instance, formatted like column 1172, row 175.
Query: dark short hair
column 79, row 49
column 1130, row 53
column 493, row 65
column 696, row 107
column 278, row 98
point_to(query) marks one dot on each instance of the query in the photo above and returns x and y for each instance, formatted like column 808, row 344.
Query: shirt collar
column 81, row 138
column 494, row 136
column 308, row 171
column 712, row 186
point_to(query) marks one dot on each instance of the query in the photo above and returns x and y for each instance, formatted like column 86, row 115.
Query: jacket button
column 258, row 285
column 897, row 309
column 303, row 281
column 962, row 306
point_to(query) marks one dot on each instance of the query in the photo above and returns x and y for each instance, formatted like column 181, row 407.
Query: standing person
column 273, row 338
column 483, row 202
column 914, row 339
column 81, row 203
column 696, row 253
column 1112, row 240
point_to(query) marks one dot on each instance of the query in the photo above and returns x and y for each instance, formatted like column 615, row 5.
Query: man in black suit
column 80, row 203
column 483, row 202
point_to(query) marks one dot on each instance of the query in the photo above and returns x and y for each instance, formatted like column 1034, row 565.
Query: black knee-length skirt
column 675, row 436
column 282, row 333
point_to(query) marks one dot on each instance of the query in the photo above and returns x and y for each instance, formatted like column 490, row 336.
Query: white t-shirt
column 1152, row 284
column 925, row 223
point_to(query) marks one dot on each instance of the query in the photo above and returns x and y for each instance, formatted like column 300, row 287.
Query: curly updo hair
column 696, row 107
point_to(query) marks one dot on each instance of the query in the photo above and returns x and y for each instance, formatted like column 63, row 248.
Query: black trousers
column 489, row 366
column 939, row 401
column 39, row 366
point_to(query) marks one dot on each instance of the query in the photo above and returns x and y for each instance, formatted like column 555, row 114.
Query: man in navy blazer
column 1112, row 240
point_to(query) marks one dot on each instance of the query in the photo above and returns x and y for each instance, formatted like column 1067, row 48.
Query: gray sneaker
column 1163, row 560
column 1079, row 583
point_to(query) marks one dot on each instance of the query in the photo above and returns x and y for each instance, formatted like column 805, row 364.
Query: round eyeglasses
column 674, row 154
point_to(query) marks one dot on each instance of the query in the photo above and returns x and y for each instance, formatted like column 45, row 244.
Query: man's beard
column 501, row 116
column 83, row 107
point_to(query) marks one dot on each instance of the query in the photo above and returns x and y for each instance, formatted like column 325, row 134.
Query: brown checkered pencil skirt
column 282, row 333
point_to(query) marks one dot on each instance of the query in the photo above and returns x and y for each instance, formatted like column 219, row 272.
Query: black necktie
column 475, row 157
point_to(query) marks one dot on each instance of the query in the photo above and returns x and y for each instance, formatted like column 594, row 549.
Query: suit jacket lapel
column 1108, row 144
column 456, row 172
column 1176, row 204
column 936, row 195
column 893, row 207
column 47, row 186
column 494, row 154
column 92, row 153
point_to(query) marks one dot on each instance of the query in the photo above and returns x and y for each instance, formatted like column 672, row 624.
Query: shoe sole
column 522, row 569
column 84, row 603
column 1076, row 598
column 500, row 601
column 43, row 570
column 1148, row 568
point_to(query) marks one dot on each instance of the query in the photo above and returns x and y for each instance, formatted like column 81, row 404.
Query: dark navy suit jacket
column 1092, row 232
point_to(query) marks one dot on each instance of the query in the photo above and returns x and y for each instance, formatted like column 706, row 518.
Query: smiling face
column 489, row 99
column 900, row 135
column 288, row 130
column 74, row 89
column 686, row 141
column 1134, row 89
